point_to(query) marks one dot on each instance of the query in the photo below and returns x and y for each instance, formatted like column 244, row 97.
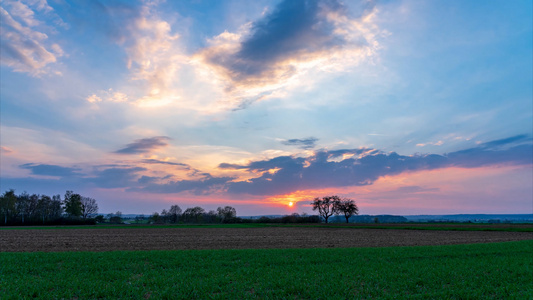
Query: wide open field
column 179, row 238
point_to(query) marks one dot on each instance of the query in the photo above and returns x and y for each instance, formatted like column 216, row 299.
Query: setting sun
column 291, row 204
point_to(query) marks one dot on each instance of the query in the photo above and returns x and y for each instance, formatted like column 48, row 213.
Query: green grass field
column 488, row 271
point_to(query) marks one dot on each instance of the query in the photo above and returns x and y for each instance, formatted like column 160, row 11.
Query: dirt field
column 30, row 240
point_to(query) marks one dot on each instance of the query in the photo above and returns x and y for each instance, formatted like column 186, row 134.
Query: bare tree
column 347, row 207
column 327, row 206
column 88, row 207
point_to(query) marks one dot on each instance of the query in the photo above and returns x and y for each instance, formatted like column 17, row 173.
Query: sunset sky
column 408, row 107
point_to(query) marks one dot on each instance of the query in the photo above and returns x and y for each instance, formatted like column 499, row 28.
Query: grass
column 497, row 270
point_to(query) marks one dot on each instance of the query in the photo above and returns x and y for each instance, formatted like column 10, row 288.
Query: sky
column 407, row 107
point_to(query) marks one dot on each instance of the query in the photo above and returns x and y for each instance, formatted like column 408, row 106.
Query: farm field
column 244, row 237
column 473, row 271
column 263, row 262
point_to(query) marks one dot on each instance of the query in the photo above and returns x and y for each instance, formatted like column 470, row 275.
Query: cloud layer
column 288, row 174
column 293, row 39
column 24, row 45
column 144, row 145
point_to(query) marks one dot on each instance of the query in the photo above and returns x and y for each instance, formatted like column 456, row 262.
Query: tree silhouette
column 88, row 207
column 327, row 206
column 347, row 207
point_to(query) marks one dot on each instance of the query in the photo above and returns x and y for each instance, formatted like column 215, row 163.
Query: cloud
column 203, row 186
column 51, row 170
column 144, row 145
column 358, row 167
column 289, row 174
column 413, row 189
column 156, row 161
column 307, row 143
column 295, row 38
column 24, row 47
column 116, row 177
column 503, row 142
column 5, row 150
column 109, row 96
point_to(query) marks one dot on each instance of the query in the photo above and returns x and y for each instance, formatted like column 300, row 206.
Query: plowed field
column 108, row 239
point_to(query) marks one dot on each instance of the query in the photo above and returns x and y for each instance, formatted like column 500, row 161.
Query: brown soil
column 31, row 240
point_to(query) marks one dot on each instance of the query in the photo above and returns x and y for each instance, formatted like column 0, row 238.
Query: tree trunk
column 347, row 219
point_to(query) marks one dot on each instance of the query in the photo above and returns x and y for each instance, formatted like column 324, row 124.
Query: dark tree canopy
column 226, row 214
column 73, row 205
column 347, row 207
column 327, row 206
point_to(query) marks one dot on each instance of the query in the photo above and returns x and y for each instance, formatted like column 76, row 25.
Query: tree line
column 197, row 214
column 34, row 209
column 26, row 209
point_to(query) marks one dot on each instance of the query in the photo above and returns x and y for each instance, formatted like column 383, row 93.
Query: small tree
column 72, row 204
column 327, row 206
column 348, row 208
column 88, row 207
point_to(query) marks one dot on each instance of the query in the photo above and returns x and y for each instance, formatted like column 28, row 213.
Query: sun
column 291, row 204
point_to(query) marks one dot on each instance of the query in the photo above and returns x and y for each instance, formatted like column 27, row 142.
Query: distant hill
column 526, row 218
column 480, row 218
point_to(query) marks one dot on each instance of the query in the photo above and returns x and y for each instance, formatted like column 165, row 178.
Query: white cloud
column 248, row 73
column 25, row 47
column 108, row 96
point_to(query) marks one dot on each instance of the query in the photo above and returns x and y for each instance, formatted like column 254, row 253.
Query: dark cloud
column 503, row 142
column 321, row 171
column 51, row 170
column 286, row 174
column 144, row 145
column 116, row 177
column 156, row 161
column 307, row 143
column 204, row 186
column 294, row 30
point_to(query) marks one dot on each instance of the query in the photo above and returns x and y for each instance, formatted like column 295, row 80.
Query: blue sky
column 408, row 107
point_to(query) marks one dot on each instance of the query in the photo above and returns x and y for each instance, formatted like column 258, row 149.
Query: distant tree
column 347, row 207
column 99, row 219
column 327, row 206
column 227, row 214
column 72, row 204
column 8, row 205
column 116, row 218
column 210, row 217
column 44, row 207
column 21, row 205
column 155, row 217
column 193, row 214
column 88, row 207
column 164, row 216
column 174, row 213
column 56, row 210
